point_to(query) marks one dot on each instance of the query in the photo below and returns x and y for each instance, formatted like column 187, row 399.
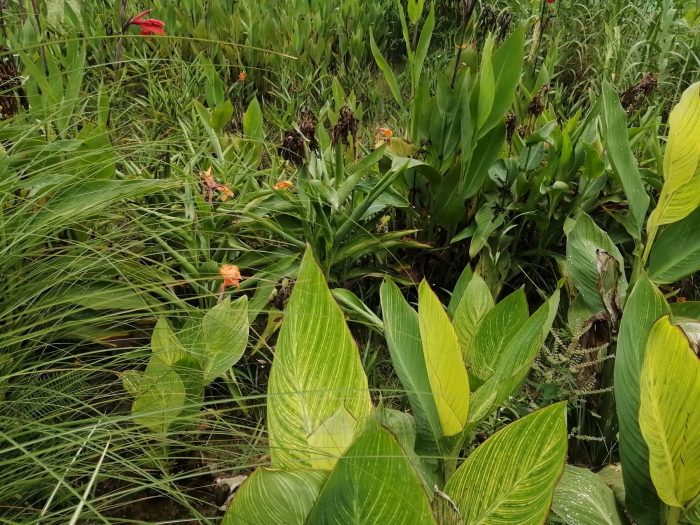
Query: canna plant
column 183, row 363
column 335, row 458
column 459, row 122
column 656, row 362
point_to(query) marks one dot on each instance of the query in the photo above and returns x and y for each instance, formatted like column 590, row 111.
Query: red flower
column 149, row 26
column 550, row 1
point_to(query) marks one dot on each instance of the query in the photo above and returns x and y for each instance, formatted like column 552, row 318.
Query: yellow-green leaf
column 373, row 483
column 316, row 371
column 475, row 303
column 275, row 497
column 443, row 359
column 332, row 437
column 165, row 344
column 583, row 498
column 225, row 336
column 510, row 478
column 495, row 333
column 669, row 413
column 680, row 194
column 161, row 396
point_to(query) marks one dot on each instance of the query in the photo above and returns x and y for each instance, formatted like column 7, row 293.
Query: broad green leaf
column 675, row 253
column 669, row 417
column 165, row 344
column 373, row 483
column 582, row 498
column 487, row 85
column 495, row 332
column 515, row 362
column 443, row 359
column 475, row 303
column 511, row 477
column 459, row 290
column 161, row 396
column 253, row 121
column 680, row 194
column 644, row 306
column 316, row 371
column 614, row 124
column 485, row 154
column 585, row 242
column 402, row 426
column 225, row 332
column 275, row 497
column 403, row 339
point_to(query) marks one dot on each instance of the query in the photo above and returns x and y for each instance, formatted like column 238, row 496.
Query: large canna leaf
column 614, row 128
column 317, row 395
column 669, row 414
column 511, row 477
column 644, row 306
column 676, row 252
column 373, row 483
column 680, row 194
column 443, row 358
column 583, row 498
column 586, row 247
column 495, row 332
column 275, row 497
column 403, row 339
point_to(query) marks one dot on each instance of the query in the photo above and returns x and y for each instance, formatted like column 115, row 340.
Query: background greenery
column 105, row 226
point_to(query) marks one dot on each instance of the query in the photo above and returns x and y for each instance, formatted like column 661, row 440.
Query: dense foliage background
column 147, row 179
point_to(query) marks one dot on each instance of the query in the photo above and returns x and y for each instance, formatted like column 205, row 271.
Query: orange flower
column 283, row 185
column 226, row 192
column 382, row 135
column 242, row 76
column 231, row 275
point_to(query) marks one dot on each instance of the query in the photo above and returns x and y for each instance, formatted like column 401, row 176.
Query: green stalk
column 674, row 516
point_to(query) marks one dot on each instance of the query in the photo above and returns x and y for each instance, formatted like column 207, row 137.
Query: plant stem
column 120, row 43
column 674, row 516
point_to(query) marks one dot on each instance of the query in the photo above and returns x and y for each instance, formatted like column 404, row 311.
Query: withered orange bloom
column 382, row 135
column 385, row 133
column 231, row 275
column 225, row 192
column 208, row 179
column 242, row 76
column 283, row 185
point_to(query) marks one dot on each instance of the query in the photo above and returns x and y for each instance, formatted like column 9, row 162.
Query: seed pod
column 292, row 147
column 346, row 126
